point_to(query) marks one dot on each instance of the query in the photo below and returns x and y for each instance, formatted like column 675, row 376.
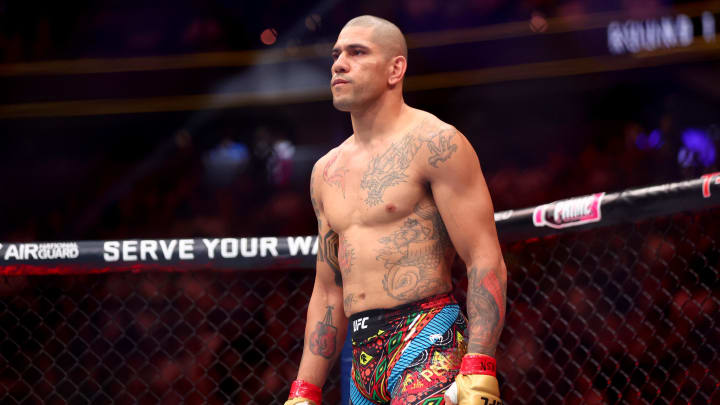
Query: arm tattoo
column 486, row 309
column 337, row 177
column 440, row 146
column 413, row 254
column 323, row 338
column 328, row 253
column 346, row 255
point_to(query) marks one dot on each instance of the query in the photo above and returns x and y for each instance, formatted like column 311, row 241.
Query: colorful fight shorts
column 409, row 354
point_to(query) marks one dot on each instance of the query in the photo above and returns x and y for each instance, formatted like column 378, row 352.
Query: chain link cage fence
column 617, row 314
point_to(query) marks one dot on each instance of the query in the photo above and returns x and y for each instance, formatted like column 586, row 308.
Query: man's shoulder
column 440, row 145
column 431, row 125
column 324, row 159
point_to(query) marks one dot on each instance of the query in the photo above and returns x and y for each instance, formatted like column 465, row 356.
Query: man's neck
column 378, row 120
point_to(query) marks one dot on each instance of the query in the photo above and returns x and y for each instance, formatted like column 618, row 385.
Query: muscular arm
column 326, row 321
column 463, row 200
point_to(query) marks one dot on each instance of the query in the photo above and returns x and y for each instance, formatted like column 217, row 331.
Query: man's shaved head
column 384, row 33
column 369, row 63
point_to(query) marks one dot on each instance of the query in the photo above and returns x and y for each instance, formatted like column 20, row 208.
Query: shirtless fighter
column 394, row 203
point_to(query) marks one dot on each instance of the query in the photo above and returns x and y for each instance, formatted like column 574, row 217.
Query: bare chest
column 367, row 191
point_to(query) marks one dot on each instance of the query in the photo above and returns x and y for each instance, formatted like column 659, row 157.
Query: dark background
column 167, row 119
column 113, row 122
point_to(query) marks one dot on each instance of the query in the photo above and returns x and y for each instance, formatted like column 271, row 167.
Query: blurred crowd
column 258, row 185
column 634, row 157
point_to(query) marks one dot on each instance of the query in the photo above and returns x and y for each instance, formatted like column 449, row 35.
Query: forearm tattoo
column 486, row 309
column 412, row 255
column 328, row 253
column 323, row 340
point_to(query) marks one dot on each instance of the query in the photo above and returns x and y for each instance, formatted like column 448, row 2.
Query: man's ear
column 398, row 66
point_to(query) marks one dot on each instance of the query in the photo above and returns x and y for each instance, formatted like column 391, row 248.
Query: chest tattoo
column 390, row 168
column 334, row 174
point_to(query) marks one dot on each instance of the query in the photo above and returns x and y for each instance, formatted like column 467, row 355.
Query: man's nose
column 340, row 65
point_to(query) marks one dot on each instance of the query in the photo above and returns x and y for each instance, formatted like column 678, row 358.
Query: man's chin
column 342, row 105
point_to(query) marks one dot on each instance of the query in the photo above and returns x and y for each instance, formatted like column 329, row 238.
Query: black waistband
column 385, row 314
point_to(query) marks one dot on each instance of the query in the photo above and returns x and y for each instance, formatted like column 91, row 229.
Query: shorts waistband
column 386, row 314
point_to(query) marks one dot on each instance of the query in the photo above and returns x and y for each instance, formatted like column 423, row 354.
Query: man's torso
column 393, row 245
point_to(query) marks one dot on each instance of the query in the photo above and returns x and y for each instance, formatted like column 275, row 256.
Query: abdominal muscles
column 400, row 262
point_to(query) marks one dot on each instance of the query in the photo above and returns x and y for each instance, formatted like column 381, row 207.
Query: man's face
column 359, row 71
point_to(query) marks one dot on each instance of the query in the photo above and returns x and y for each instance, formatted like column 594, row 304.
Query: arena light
column 653, row 140
column 269, row 36
column 697, row 150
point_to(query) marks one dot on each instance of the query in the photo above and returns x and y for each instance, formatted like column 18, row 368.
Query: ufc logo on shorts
column 359, row 324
